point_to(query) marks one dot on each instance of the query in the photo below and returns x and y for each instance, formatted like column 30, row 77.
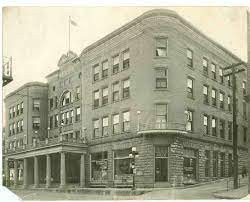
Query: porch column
column 63, row 171
column 25, row 172
column 36, row 174
column 48, row 171
column 82, row 171
column 7, row 172
column 15, row 172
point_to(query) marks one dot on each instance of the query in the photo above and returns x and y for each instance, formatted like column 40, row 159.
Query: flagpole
column 69, row 34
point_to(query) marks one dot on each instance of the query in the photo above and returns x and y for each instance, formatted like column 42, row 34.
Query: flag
column 72, row 22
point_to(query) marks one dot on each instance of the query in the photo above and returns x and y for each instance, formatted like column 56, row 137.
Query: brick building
column 155, row 84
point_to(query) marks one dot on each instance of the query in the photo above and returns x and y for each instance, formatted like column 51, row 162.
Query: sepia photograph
column 126, row 103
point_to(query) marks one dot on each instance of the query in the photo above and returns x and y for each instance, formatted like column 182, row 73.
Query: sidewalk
column 233, row 193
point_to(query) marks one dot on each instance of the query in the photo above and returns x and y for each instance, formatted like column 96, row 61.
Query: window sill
column 161, row 89
column 160, row 57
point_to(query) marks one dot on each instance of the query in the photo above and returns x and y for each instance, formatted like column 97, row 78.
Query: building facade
column 155, row 84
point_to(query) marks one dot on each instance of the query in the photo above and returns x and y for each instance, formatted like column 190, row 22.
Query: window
column 229, row 81
column 189, row 124
column 77, row 93
column 51, row 122
column 96, row 98
column 67, row 118
column 214, row 99
column 215, row 164
column 51, row 103
column 99, row 166
column 62, row 118
column 105, row 96
column 190, row 84
column 21, row 107
column 71, row 115
column 229, row 106
column 207, row 163
column 96, row 72
column 21, row 126
column 161, row 116
column 221, row 75
column 189, row 58
column 190, row 162
column 18, row 109
column 230, row 165
column 221, row 96
column 244, row 83
column 244, row 134
column 56, row 101
column 205, row 94
column 115, row 64
column 105, row 67
column 66, row 98
column 222, row 129
column 18, row 126
column 36, row 123
column 56, row 119
column 126, row 56
column 54, row 88
column 205, row 124
column 10, row 113
column 105, row 125
column 116, row 128
column 126, row 86
column 244, row 104
column 205, row 66
column 122, row 165
column 14, row 129
column 96, row 132
column 213, row 70
column 222, row 164
column 161, row 163
column 115, row 92
column 14, row 111
column 10, row 129
column 78, row 114
column 161, row 78
column 36, row 104
column 126, row 121
column 161, row 47
column 214, row 120
column 230, row 131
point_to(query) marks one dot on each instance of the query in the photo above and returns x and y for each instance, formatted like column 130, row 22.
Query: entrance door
column 161, row 169
column 161, row 163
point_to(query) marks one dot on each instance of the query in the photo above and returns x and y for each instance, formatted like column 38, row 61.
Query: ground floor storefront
column 164, row 160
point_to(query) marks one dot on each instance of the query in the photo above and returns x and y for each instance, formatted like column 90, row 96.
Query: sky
column 36, row 37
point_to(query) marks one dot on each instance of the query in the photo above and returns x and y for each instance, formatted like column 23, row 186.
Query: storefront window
column 189, row 166
column 122, row 165
column 99, row 166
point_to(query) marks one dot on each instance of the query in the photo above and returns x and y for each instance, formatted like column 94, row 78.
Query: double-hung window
column 126, row 58
column 189, row 124
column 214, row 97
column 205, row 66
column 189, row 58
column 214, row 125
column 115, row 89
column 161, row 78
column 221, row 96
column 205, row 124
column 105, row 68
column 221, row 75
column 105, row 125
column 161, row 47
column 105, row 96
column 126, row 88
column 77, row 93
column 96, row 72
column 21, row 107
column 213, row 70
column 21, row 126
column 190, row 86
column 205, row 94
column 36, row 123
column 96, row 98
column 222, row 129
column 18, row 109
column 10, row 113
column 56, row 119
column 161, row 116
column 36, row 104
column 96, row 132
column 78, row 114
column 116, row 128
column 126, row 121
column 115, row 64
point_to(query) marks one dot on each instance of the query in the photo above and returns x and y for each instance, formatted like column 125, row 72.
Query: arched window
column 66, row 98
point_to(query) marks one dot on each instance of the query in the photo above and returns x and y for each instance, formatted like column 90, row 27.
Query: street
column 199, row 192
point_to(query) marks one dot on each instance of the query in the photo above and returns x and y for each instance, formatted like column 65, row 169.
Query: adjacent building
column 155, row 84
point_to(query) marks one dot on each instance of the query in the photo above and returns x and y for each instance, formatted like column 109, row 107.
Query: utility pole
column 235, row 135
